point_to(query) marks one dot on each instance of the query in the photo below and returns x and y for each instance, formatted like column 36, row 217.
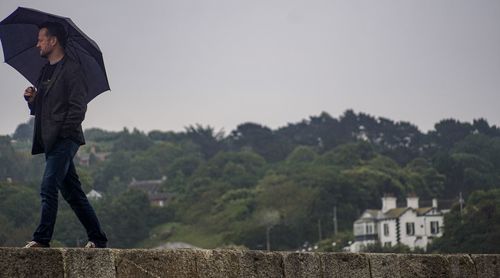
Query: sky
column 221, row 63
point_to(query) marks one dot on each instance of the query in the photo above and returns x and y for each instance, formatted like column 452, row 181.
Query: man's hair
column 56, row 29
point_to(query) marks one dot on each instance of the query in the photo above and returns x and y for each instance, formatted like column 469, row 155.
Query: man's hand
column 29, row 94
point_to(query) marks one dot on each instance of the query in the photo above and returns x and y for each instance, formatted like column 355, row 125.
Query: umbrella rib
column 83, row 51
column 19, row 53
column 77, row 46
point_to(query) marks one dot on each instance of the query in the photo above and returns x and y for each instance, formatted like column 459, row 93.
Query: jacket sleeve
column 31, row 106
column 77, row 105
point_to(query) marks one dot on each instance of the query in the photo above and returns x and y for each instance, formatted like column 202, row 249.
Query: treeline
column 232, row 189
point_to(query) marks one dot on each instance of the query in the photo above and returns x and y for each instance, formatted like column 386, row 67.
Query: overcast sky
column 224, row 62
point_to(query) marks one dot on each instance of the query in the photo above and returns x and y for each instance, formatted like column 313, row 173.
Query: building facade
column 411, row 225
column 152, row 189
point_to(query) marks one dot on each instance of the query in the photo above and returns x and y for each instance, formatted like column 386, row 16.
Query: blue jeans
column 60, row 174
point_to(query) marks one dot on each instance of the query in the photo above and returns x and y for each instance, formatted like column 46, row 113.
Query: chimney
column 412, row 201
column 434, row 203
column 388, row 202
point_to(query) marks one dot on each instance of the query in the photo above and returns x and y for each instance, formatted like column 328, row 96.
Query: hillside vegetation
column 229, row 189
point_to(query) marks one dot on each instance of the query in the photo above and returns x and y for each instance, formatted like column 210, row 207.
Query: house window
column 410, row 228
column 359, row 229
column 369, row 229
column 386, row 229
column 387, row 244
column 434, row 227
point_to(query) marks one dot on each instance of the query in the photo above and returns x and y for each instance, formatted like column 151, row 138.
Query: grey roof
column 395, row 212
column 422, row 211
column 390, row 214
column 147, row 186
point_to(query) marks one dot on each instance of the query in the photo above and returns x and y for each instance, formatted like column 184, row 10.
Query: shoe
column 34, row 244
column 90, row 244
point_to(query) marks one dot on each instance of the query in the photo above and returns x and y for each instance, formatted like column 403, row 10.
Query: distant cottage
column 94, row 195
column 411, row 225
column 83, row 159
column 152, row 189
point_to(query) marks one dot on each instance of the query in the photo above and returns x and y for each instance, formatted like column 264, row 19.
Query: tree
column 25, row 131
column 125, row 218
column 259, row 139
column 293, row 203
column 210, row 142
column 302, row 154
column 423, row 179
column 11, row 163
column 99, row 135
column 348, row 155
column 269, row 219
column 132, row 141
column 237, row 169
column 476, row 230
column 448, row 132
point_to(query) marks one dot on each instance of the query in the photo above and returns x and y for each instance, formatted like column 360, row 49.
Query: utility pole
column 461, row 201
column 319, row 230
column 335, row 220
column 268, row 238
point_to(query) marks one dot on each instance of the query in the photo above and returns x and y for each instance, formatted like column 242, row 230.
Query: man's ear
column 53, row 40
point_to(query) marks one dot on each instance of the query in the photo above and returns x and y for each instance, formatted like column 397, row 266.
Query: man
column 58, row 104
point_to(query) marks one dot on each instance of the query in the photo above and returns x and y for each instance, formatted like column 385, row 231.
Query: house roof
column 94, row 194
column 422, row 211
column 147, row 186
column 395, row 212
column 159, row 196
column 373, row 212
column 371, row 215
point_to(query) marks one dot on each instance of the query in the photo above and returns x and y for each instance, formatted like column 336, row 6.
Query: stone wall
column 56, row 262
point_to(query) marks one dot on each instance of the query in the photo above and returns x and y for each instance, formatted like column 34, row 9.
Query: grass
column 178, row 232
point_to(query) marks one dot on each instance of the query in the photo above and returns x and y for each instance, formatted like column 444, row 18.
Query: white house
column 152, row 188
column 94, row 195
column 411, row 225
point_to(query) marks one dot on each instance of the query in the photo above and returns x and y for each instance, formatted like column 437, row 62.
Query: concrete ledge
column 345, row 265
column 94, row 263
column 461, row 265
column 15, row 262
column 487, row 265
column 111, row 263
column 302, row 265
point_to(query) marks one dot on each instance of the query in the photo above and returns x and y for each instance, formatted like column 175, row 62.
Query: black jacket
column 63, row 107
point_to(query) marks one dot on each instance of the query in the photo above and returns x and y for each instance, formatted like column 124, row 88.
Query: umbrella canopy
column 19, row 36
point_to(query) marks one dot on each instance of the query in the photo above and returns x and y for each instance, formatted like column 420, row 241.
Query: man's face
column 45, row 43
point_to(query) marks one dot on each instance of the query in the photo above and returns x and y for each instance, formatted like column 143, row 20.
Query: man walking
column 59, row 106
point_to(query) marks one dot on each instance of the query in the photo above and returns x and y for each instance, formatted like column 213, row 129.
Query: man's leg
column 72, row 192
column 57, row 165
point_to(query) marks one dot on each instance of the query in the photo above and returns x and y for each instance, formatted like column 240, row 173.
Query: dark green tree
column 24, row 131
column 476, row 229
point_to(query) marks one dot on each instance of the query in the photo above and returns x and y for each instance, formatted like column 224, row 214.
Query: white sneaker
column 34, row 244
column 90, row 244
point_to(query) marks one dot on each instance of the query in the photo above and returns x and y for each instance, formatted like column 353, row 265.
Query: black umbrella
column 19, row 36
